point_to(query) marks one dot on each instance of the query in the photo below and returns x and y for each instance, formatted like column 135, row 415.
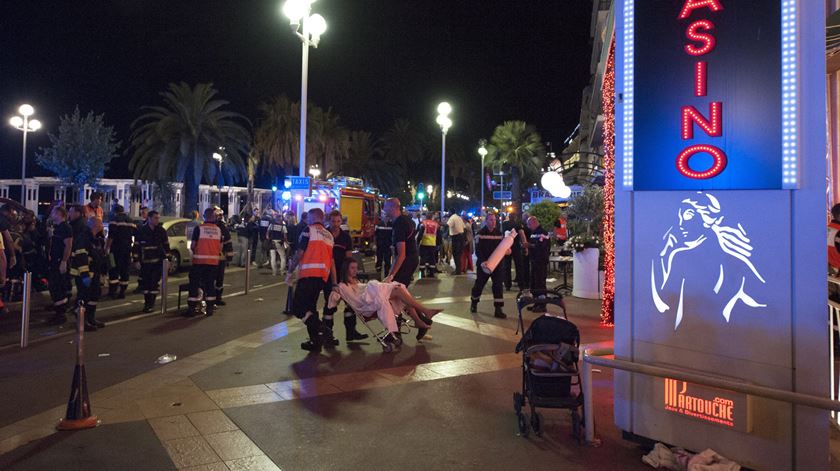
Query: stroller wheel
column 536, row 423
column 518, row 402
column 523, row 424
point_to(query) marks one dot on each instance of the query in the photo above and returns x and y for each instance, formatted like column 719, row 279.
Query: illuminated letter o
column 717, row 167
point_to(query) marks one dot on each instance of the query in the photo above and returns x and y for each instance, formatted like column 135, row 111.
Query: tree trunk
column 189, row 203
column 252, row 170
column 515, row 190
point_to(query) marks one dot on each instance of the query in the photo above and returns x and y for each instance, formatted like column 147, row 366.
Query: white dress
column 369, row 298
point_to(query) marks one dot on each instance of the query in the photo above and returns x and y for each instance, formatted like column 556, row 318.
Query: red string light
column 717, row 166
column 708, row 40
column 712, row 126
column 608, row 299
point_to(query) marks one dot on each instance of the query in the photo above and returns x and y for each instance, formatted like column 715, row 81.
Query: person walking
column 456, row 235
column 262, row 238
column 427, row 233
column 489, row 237
column 278, row 236
column 383, row 246
column 206, row 250
column 314, row 257
column 79, row 267
column 342, row 250
column 138, row 223
column 98, row 268
column 61, row 246
column 121, row 231
column 150, row 247
column 539, row 249
column 404, row 242
column 226, row 257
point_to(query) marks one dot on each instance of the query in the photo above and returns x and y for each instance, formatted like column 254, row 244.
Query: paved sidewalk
column 242, row 395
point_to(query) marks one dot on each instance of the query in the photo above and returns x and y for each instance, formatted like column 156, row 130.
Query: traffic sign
column 299, row 183
column 502, row 195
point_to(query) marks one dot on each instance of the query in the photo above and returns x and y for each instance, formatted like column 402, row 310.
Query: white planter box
column 586, row 275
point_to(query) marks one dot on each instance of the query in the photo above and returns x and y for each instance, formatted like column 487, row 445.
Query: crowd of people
column 72, row 248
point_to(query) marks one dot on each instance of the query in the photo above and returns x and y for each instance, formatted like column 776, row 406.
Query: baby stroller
column 550, row 374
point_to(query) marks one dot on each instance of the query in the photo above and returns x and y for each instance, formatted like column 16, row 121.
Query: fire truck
column 359, row 204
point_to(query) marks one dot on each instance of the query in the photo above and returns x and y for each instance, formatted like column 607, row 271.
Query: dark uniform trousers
column 428, row 258
column 204, row 278
column 58, row 289
column 118, row 274
column 220, row 278
column 539, row 272
column 481, row 281
column 516, row 260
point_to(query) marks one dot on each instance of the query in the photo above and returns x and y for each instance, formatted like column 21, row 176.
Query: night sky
column 379, row 60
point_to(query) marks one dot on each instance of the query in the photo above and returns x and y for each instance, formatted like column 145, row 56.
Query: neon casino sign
column 709, row 95
column 715, row 406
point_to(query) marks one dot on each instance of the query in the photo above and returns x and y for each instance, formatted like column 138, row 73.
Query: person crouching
column 206, row 252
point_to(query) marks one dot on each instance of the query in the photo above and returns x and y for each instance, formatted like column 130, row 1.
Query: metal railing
column 594, row 356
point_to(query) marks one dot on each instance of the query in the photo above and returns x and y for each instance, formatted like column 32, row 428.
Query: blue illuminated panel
column 749, row 71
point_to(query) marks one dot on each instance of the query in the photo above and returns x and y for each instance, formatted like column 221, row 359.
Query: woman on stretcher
column 386, row 300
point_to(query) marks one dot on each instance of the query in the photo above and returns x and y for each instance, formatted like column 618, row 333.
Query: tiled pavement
column 256, row 402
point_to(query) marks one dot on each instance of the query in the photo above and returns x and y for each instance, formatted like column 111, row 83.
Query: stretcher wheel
column 387, row 348
column 397, row 340
column 536, row 423
column 523, row 424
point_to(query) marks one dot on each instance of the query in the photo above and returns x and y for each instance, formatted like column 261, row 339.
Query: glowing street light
column 315, row 171
column 309, row 29
column 482, row 151
column 26, row 125
column 445, row 123
column 219, row 158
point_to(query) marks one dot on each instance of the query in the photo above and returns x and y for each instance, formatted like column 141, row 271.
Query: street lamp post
column 482, row 151
column 219, row 158
column 445, row 123
column 309, row 29
column 23, row 123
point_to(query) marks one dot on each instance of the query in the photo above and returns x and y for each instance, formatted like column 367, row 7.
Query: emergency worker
column 206, row 250
column 94, row 208
column 80, row 268
column 226, row 256
column 427, row 234
column 515, row 258
column 121, row 231
column 314, row 257
column 138, row 223
column 341, row 251
column 489, row 237
column 151, row 245
column 539, row 249
column 383, row 245
column 98, row 268
column 278, row 236
column 61, row 245
column 403, row 239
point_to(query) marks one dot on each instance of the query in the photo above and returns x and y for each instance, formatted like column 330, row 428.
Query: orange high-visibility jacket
column 317, row 258
column 430, row 229
column 206, row 244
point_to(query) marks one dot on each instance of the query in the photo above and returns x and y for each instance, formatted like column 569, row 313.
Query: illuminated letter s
column 699, row 32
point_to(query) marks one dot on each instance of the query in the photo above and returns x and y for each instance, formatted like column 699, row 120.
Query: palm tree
column 326, row 140
column 519, row 146
column 277, row 137
column 365, row 160
column 176, row 141
column 402, row 143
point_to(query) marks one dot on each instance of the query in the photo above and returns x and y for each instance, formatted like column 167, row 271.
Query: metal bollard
column 588, row 411
column 248, row 272
column 164, row 286
column 273, row 253
column 25, row 307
